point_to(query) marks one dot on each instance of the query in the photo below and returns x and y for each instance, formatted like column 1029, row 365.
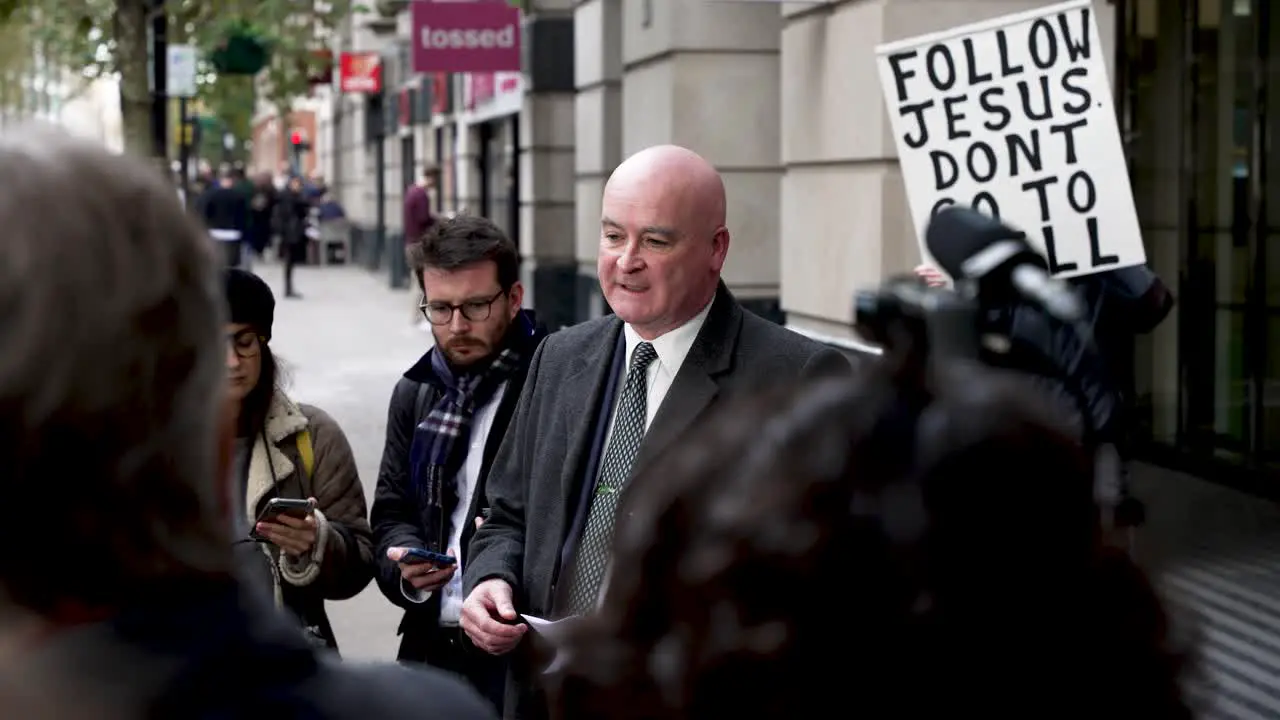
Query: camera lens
column 870, row 313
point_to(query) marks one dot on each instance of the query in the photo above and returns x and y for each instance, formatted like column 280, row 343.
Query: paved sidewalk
column 1216, row 555
column 344, row 344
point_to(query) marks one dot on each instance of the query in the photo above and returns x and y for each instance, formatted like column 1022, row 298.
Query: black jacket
column 292, row 211
column 540, row 486
column 262, row 215
column 395, row 514
column 217, row 650
column 226, row 208
column 1093, row 371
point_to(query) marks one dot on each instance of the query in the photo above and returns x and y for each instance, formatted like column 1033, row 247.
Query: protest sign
column 1014, row 117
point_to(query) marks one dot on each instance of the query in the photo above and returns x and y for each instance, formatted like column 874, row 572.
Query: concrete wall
column 699, row 74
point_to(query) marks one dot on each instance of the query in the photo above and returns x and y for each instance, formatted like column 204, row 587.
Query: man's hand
column 487, row 617
column 932, row 276
column 422, row 576
column 295, row 536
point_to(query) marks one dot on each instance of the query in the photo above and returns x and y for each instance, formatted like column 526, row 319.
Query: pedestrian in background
column 226, row 214
column 294, row 211
column 262, row 214
column 418, row 219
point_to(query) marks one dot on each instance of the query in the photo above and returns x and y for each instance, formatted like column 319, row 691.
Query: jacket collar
column 284, row 419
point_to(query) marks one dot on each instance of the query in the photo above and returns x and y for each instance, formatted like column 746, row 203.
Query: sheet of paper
column 552, row 631
column 548, row 628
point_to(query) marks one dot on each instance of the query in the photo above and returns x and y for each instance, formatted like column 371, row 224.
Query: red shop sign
column 360, row 72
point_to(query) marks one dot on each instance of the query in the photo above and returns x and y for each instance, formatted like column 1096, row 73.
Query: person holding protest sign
column 1121, row 305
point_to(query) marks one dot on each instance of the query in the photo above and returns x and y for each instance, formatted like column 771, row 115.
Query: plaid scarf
column 440, row 441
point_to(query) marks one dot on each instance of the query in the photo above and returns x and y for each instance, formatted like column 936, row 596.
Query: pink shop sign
column 465, row 37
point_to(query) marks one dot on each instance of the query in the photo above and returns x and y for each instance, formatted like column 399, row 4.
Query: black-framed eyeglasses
column 245, row 343
column 441, row 313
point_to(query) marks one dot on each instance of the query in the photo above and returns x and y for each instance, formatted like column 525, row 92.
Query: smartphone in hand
column 281, row 506
column 418, row 556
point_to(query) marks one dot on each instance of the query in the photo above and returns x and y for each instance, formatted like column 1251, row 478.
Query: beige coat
column 341, row 563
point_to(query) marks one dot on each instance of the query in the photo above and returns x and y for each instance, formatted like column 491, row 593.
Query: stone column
column 705, row 75
column 598, row 121
column 545, row 146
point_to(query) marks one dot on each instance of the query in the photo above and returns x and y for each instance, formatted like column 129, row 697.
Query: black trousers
column 293, row 253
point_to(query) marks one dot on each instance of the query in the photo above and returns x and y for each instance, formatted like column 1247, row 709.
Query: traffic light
column 298, row 141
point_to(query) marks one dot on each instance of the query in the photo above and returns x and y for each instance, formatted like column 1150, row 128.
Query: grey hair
column 112, row 376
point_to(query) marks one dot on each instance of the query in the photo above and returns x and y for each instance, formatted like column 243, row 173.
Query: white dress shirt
column 672, row 348
column 467, row 479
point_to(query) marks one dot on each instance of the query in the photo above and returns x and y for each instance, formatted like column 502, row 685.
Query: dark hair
column 255, row 405
column 934, row 551
column 466, row 240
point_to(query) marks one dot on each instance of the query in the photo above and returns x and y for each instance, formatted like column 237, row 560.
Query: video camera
column 996, row 273
column 904, row 314
column 999, row 281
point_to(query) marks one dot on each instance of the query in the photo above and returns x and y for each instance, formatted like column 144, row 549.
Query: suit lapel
column 698, row 382
column 577, row 399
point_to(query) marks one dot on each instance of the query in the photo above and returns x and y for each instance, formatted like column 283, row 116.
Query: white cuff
column 413, row 594
column 304, row 570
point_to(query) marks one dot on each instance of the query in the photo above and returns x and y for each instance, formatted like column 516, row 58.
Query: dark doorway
column 1195, row 80
column 408, row 162
column 499, row 172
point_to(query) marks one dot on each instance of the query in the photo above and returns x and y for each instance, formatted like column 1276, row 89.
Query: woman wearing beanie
column 292, row 451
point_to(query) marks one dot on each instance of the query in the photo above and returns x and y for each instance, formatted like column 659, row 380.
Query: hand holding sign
column 1013, row 117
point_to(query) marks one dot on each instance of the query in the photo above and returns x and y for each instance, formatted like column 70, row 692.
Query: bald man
column 606, row 397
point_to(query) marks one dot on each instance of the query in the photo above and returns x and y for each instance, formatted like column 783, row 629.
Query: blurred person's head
column 663, row 239
column 921, row 552
column 252, row 369
column 469, row 272
column 111, row 394
column 429, row 174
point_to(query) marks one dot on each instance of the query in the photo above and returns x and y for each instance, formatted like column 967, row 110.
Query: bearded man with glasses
column 446, row 419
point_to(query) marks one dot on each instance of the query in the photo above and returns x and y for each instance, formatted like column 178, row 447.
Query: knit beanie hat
column 249, row 300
